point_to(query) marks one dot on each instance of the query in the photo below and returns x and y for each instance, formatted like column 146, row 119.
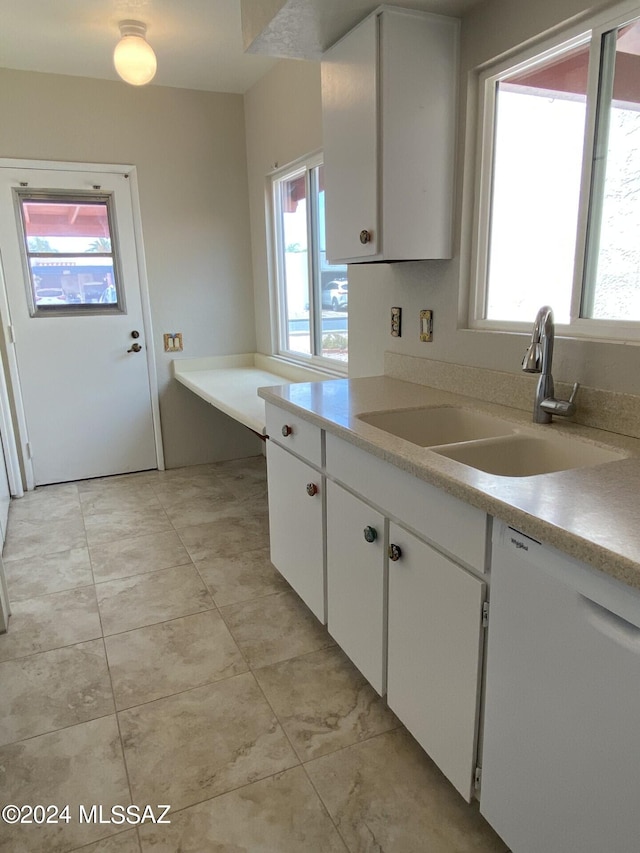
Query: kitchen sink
column 434, row 425
column 521, row 455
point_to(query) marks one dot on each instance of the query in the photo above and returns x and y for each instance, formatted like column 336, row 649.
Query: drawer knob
column 370, row 534
column 286, row 430
column 312, row 489
column 395, row 553
column 365, row 236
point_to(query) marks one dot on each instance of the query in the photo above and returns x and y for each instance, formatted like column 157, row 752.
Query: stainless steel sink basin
column 524, row 455
column 430, row 426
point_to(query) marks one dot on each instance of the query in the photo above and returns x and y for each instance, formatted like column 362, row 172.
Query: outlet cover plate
column 173, row 342
column 396, row 322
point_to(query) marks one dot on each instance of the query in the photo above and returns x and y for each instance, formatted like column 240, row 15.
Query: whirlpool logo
column 519, row 544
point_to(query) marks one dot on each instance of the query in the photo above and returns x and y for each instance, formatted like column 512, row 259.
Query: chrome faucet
column 537, row 359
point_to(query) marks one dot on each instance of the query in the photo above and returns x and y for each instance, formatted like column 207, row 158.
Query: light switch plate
column 426, row 325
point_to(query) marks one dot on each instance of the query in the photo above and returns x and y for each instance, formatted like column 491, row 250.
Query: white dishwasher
column 561, row 746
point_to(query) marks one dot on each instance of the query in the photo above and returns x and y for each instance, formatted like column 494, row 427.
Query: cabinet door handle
column 370, row 534
column 286, row 430
column 365, row 236
column 312, row 489
column 394, row 553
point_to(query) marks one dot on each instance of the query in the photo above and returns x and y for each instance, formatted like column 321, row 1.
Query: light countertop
column 592, row 513
column 229, row 382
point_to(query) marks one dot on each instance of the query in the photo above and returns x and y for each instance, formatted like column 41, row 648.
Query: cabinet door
column 296, row 525
column 434, row 657
column 418, row 61
column 355, row 582
column 350, row 143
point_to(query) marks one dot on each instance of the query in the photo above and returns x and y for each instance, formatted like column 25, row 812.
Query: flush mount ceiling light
column 133, row 56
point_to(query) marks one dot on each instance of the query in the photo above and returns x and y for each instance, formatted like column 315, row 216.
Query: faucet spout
column 538, row 359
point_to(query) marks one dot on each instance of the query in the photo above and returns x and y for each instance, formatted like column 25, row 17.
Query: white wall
column 189, row 150
column 492, row 29
column 284, row 122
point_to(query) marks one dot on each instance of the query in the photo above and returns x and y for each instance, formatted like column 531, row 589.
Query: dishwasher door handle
column 619, row 630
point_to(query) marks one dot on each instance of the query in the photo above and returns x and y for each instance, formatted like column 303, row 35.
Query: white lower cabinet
column 356, row 582
column 296, row 525
column 406, row 612
column 435, row 639
column 419, row 639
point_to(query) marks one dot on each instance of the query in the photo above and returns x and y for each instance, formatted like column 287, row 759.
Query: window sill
column 593, row 331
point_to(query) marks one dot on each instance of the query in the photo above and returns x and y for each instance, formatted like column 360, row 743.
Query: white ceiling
column 198, row 42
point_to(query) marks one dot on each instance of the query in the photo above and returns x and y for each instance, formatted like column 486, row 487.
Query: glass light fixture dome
column 133, row 57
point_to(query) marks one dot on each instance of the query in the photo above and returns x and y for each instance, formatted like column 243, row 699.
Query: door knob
column 394, row 553
column 365, row 236
column 312, row 489
column 135, row 348
column 370, row 534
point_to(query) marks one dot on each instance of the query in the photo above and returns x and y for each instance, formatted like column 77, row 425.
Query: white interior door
column 76, row 317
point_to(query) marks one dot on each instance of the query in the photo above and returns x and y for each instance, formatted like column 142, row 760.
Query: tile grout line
column 326, row 809
column 100, row 582
column 56, row 731
column 279, row 721
column 113, row 693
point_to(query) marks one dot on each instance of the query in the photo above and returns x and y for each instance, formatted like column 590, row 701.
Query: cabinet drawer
column 303, row 439
column 454, row 526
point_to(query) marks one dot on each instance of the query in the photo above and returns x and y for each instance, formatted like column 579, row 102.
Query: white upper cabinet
column 389, row 91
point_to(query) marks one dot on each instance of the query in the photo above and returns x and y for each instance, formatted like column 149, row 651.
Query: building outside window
column 69, row 253
column 311, row 295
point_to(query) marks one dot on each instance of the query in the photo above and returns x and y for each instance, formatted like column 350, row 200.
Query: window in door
column 558, row 219
column 69, row 253
column 312, row 295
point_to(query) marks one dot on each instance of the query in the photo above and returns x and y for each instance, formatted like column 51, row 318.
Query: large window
column 558, row 219
column 312, row 295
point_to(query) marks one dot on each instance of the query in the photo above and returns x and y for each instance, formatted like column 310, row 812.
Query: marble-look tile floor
column 156, row 657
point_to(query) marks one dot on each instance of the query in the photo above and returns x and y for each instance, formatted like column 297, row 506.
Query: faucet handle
column 565, row 408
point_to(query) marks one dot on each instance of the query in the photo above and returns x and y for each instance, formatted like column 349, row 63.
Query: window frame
column 70, row 197
column 275, row 241
column 590, row 31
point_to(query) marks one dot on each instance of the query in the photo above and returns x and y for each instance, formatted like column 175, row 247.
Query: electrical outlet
column 396, row 322
column 426, row 325
column 173, row 342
